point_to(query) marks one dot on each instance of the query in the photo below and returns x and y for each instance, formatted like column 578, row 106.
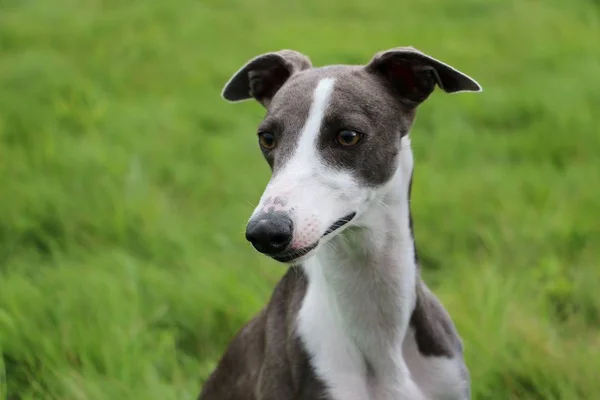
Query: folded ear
column 414, row 74
column 264, row 75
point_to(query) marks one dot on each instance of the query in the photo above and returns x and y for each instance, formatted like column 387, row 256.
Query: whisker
column 250, row 203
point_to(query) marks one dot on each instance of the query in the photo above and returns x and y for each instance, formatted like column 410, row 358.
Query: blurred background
column 126, row 183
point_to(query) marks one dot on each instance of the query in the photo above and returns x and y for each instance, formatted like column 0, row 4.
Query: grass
column 126, row 183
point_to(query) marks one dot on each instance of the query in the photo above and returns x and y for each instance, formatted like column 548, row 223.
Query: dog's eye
column 266, row 140
column 348, row 138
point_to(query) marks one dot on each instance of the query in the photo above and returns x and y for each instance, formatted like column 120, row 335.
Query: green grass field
column 126, row 182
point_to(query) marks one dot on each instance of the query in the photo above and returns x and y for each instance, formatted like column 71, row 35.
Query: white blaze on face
column 306, row 187
column 305, row 155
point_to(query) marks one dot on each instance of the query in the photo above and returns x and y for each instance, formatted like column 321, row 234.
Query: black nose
column 270, row 234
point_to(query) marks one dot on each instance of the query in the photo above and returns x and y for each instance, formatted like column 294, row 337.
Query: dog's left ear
column 414, row 74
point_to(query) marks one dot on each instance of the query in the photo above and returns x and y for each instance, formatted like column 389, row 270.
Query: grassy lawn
column 126, row 183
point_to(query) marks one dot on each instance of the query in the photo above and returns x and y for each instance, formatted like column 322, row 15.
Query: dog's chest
column 355, row 348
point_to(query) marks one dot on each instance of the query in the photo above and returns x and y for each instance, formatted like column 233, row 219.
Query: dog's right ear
column 264, row 75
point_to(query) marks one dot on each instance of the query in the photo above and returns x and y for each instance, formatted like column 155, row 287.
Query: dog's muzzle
column 272, row 233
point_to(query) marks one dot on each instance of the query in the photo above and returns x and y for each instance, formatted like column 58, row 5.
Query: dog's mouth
column 339, row 223
column 295, row 255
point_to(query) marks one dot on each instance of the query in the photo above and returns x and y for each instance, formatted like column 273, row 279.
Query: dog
column 351, row 319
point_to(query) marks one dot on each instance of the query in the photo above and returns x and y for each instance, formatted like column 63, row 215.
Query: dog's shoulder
column 238, row 368
column 287, row 372
column 266, row 359
column 433, row 349
column 435, row 333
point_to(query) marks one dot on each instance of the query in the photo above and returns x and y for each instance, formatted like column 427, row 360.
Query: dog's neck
column 362, row 284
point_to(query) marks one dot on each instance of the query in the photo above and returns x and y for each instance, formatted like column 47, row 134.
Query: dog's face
column 332, row 137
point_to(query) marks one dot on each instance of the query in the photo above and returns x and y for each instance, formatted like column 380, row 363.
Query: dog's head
column 332, row 137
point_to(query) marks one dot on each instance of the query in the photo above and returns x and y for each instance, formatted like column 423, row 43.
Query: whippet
column 351, row 319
